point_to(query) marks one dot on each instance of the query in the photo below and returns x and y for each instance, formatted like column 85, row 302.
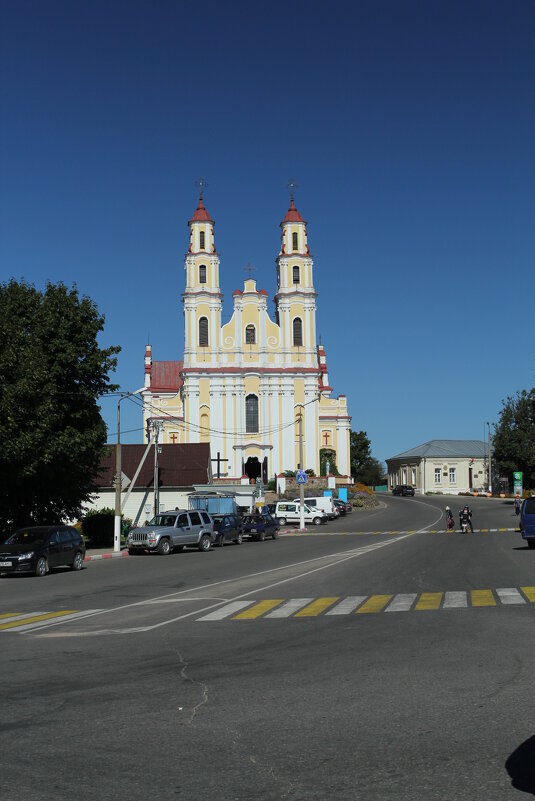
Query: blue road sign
column 301, row 477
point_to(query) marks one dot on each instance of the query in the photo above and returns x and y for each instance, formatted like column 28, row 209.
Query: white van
column 289, row 512
column 323, row 502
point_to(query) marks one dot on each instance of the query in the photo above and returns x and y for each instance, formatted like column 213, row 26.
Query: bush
column 97, row 526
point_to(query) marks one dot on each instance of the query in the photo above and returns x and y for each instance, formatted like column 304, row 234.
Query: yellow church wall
column 299, row 392
column 204, row 391
column 252, row 385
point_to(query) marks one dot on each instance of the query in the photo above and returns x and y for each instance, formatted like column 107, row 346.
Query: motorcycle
column 465, row 526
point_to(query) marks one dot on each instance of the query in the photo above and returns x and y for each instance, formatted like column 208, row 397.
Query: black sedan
column 227, row 527
column 39, row 549
column 258, row 527
column 404, row 490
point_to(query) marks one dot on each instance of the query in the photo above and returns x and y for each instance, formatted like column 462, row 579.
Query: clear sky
column 409, row 126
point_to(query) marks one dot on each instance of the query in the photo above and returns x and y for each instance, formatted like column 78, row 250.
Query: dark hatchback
column 527, row 521
column 39, row 549
column 403, row 489
column 260, row 526
column 228, row 527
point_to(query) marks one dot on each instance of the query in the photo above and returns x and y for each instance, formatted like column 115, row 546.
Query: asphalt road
column 345, row 664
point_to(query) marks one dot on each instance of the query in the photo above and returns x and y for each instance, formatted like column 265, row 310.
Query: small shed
column 180, row 468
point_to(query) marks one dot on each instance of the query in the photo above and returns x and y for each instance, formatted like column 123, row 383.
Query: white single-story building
column 449, row 466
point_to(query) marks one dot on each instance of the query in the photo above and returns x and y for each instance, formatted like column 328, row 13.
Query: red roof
column 201, row 214
column 292, row 215
column 165, row 376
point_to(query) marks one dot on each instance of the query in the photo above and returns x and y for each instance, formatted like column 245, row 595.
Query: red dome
column 292, row 215
column 201, row 215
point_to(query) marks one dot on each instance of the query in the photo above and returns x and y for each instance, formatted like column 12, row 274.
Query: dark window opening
column 295, row 245
column 250, row 335
column 296, row 277
column 201, row 240
column 251, row 414
column 203, row 331
column 202, row 274
column 298, row 331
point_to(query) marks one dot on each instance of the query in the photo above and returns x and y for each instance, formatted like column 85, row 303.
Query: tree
column 514, row 437
column 364, row 467
column 328, row 455
column 51, row 373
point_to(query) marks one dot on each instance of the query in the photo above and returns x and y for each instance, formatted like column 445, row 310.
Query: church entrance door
column 252, row 469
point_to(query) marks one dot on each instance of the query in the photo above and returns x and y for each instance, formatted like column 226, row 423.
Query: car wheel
column 282, row 521
column 205, row 543
column 262, row 536
column 275, row 534
column 221, row 540
column 77, row 562
column 164, row 547
column 41, row 568
column 531, row 543
column 317, row 521
column 239, row 539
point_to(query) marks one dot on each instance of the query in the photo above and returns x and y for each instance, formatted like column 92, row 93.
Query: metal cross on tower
column 201, row 184
column 249, row 270
column 292, row 186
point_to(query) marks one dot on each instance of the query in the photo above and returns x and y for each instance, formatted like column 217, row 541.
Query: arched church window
column 251, row 414
column 201, row 240
column 298, row 331
column 203, row 331
column 296, row 277
column 250, row 334
column 295, row 245
column 202, row 274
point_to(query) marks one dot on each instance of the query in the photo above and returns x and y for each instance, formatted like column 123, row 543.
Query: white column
column 311, row 416
column 288, row 420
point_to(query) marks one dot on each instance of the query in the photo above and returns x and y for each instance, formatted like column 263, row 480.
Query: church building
column 243, row 385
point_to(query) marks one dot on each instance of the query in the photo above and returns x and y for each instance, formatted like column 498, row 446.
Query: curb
column 97, row 556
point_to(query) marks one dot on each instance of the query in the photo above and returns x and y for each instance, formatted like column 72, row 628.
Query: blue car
column 260, row 526
column 527, row 521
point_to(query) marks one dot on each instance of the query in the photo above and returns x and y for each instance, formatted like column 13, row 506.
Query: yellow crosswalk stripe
column 484, row 530
column 376, row 603
column 483, row 598
column 258, row 609
column 36, row 619
column 529, row 592
column 429, row 600
column 10, row 614
column 316, row 607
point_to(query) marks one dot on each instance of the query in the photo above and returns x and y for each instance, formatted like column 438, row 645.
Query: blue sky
column 409, row 127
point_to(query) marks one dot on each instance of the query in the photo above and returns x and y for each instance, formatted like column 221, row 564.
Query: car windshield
column 28, row 537
column 163, row 520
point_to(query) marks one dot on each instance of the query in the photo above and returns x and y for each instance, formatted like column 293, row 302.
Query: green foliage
column 52, row 372
column 327, row 455
column 98, row 527
column 364, row 467
column 514, row 438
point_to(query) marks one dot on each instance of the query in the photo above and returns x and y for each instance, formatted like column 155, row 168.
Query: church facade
column 242, row 385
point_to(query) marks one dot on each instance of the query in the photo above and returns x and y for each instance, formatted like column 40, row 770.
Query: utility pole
column 300, row 467
column 119, row 473
column 490, row 464
column 157, row 428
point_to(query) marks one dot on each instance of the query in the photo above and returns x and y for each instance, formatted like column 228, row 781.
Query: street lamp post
column 118, row 473
column 301, row 467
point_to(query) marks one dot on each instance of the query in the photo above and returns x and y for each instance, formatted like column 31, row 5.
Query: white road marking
column 509, row 595
column 348, row 605
column 401, row 602
column 227, row 611
column 291, row 606
column 455, row 600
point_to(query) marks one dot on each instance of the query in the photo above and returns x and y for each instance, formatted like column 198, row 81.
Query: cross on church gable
column 173, row 437
column 326, row 434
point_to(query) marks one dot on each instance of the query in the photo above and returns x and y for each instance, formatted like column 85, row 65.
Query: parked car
column 228, row 528
column 39, row 549
column 289, row 512
column 323, row 502
column 260, row 526
column 403, row 489
column 527, row 521
column 341, row 506
column 173, row 531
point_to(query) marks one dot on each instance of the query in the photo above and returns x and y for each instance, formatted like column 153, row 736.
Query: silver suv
column 172, row 531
